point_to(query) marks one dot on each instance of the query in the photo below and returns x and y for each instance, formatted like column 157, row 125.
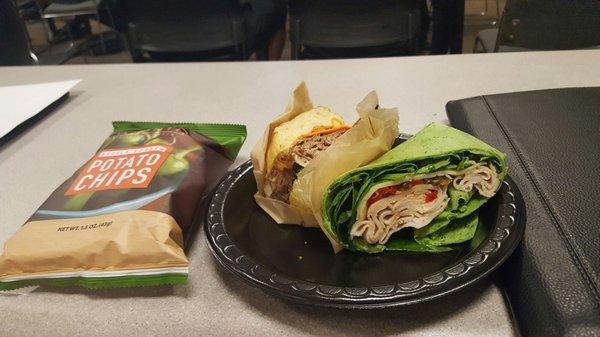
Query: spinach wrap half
column 422, row 195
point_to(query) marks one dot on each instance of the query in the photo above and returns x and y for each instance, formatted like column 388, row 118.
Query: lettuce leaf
column 409, row 245
column 457, row 231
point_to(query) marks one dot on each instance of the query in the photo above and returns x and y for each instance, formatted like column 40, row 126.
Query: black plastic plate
column 298, row 263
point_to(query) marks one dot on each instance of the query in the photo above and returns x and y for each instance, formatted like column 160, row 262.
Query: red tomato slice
column 416, row 182
column 430, row 196
column 382, row 193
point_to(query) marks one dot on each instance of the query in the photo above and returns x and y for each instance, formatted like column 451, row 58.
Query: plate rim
column 487, row 257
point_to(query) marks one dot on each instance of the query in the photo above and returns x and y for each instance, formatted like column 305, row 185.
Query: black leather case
column 552, row 142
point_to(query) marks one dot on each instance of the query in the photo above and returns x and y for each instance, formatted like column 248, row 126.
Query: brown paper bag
column 369, row 138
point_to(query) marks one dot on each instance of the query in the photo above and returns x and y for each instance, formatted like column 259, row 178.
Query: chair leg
column 101, row 35
column 111, row 18
column 244, row 49
column 71, row 39
column 44, row 23
column 416, row 46
column 240, row 48
column 477, row 42
column 113, row 23
column 34, row 58
column 294, row 51
column 498, row 9
column 46, row 32
column 295, row 38
column 137, row 54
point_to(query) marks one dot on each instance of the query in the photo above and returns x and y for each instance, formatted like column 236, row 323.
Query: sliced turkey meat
column 414, row 206
column 415, row 202
column 483, row 177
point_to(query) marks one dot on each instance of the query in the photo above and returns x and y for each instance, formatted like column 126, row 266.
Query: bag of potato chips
column 122, row 219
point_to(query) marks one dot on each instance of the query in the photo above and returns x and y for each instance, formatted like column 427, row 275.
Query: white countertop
column 252, row 93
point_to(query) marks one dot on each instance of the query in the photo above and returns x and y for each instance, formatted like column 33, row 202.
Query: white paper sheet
column 18, row 103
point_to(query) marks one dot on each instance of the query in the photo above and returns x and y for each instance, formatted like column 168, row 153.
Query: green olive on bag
column 136, row 138
column 173, row 165
column 158, row 141
column 176, row 162
column 129, row 139
column 77, row 202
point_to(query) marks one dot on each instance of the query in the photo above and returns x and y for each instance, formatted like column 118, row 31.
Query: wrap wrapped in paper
column 368, row 139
